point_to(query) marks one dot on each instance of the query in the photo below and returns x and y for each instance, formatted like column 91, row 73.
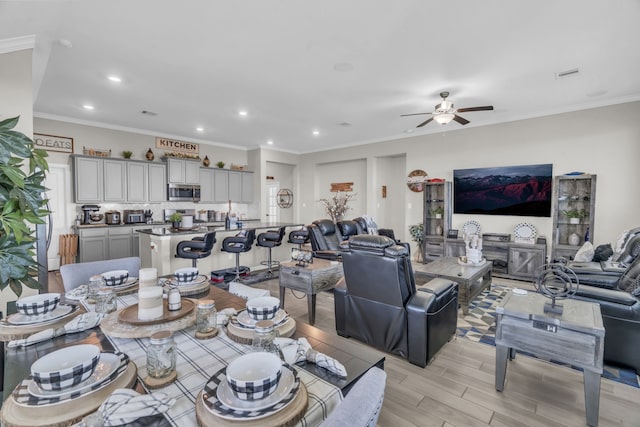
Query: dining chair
column 74, row 275
column 361, row 407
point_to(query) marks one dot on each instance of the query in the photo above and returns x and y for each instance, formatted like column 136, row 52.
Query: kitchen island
column 158, row 247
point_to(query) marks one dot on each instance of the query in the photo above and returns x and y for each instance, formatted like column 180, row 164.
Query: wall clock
column 416, row 179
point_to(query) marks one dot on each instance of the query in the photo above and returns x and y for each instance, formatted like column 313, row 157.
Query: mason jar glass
column 264, row 336
column 106, row 301
column 96, row 282
column 206, row 316
column 161, row 355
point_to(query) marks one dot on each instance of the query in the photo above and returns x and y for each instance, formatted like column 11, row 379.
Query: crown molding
column 17, row 43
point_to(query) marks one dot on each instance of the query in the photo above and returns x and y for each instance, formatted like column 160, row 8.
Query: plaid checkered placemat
column 197, row 360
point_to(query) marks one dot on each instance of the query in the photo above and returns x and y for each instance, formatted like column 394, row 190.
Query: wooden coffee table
column 471, row 280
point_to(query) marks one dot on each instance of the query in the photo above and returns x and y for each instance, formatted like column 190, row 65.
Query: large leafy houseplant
column 21, row 206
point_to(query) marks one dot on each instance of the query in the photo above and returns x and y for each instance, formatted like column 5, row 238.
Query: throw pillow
column 585, row 253
column 603, row 252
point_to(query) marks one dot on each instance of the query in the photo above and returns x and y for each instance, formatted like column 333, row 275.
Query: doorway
column 58, row 184
column 273, row 211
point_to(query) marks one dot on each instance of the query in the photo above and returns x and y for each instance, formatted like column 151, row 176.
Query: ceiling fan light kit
column 444, row 112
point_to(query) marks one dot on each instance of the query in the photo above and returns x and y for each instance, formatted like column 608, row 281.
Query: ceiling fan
column 444, row 112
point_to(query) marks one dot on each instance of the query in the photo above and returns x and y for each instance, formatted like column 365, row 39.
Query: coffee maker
column 87, row 210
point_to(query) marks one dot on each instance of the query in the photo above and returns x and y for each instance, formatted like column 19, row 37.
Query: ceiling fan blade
column 414, row 114
column 424, row 123
column 460, row 120
column 485, row 108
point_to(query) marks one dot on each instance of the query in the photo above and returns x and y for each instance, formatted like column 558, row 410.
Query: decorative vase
column 574, row 220
column 150, row 155
column 175, row 224
column 438, row 230
column 206, row 162
column 574, row 239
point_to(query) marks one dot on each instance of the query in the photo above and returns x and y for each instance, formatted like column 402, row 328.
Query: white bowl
column 186, row 275
column 115, row 277
column 254, row 376
column 38, row 304
column 66, row 367
column 263, row 308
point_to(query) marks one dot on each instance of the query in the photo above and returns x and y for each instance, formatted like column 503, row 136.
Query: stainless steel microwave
column 183, row 192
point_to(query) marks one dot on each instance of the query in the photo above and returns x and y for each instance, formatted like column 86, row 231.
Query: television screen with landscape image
column 509, row 190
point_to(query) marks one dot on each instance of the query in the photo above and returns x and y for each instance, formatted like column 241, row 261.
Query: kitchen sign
column 179, row 146
column 53, row 142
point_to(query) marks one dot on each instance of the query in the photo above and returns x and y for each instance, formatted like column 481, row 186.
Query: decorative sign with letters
column 341, row 186
column 179, row 146
column 53, row 142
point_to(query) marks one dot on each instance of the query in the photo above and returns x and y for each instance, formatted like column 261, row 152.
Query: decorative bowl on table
column 65, row 367
column 38, row 304
column 186, row 275
column 115, row 277
column 254, row 376
column 263, row 308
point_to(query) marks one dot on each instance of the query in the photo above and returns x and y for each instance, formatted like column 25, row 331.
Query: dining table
column 198, row 360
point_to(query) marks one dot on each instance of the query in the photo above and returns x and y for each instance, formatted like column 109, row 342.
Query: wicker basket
column 96, row 152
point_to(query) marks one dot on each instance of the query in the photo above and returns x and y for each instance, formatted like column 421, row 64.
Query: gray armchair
column 74, row 275
column 376, row 301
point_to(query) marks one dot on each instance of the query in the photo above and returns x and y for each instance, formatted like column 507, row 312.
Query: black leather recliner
column 325, row 239
column 377, row 302
column 620, row 308
column 604, row 274
column 348, row 228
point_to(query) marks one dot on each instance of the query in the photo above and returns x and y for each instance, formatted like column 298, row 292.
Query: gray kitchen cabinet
column 206, row 185
column 525, row 259
column 88, row 179
column 115, row 179
column 137, row 175
column 182, row 171
column 157, row 181
column 241, row 186
column 93, row 244
column 135, row 240
column 119, row 242
column 220, row 185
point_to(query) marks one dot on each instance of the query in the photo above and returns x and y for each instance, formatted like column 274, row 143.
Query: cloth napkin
column 295, row 351
column 78, row 324
column 124, row 406
column 224, row 316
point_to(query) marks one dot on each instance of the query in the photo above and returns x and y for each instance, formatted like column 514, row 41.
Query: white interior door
column 273, row 211
column 58, row 184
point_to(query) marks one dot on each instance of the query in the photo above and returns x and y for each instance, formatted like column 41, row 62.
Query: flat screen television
column 509, row 190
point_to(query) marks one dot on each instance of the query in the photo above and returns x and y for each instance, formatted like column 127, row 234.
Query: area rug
column 480, row 326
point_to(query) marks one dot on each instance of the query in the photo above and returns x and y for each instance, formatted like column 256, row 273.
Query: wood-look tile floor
column 457, row 388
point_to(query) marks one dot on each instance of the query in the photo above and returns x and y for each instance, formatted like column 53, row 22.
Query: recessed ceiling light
column 114, row 79
column 88, row 107
column 270, row 142
column 200, row 129
column 65, row 43
column 316, row 132
column 343, row 67
column 243, row 113
column 409, row 130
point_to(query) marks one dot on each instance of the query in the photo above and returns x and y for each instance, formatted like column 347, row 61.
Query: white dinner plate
column 471, row 227
column 107, row 365
column 226, row 396
column 200, row 278
column 216, row 407
column 25, row 319
column 245, row 320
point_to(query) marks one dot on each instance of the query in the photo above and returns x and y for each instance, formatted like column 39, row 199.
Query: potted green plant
column 21, row 206
column 175, row 219
column 574, row 215
column 127, row 154
column 220, row 164
column 438, row 212
column 417, row 235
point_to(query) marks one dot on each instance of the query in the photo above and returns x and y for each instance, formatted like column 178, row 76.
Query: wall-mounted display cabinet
column 436, row 218
column 573, row 213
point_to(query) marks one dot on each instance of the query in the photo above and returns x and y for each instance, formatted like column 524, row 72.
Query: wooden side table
column 575, row 337
column 319, row 276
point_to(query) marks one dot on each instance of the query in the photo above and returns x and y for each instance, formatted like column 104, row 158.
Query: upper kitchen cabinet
column 206, row 185
column 115, row 178
column 157, row 182
column 220, row 185
column 88, row 179
column 183, row 171
column 241, row 186
column 137, row 175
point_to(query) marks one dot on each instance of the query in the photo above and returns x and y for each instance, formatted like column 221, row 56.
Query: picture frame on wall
column 62, row 144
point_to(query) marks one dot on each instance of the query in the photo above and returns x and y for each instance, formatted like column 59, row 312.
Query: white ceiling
column 198, row 62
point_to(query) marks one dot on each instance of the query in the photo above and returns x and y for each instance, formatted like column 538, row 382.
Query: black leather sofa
column 620, row 308
column 325, row 239
column 376, row 301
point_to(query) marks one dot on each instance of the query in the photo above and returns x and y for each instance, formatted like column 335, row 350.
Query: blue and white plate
column 25, row 319
column 248, row 322
column 524, row 230
column 253, row 410
column 471, row 227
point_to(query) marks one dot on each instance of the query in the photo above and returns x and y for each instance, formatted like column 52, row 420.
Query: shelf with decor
column 573, row 213
column 436, row 218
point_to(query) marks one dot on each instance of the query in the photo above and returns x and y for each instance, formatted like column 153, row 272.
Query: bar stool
column 299, row 237
column 196, row 248
column 270, row 239
column 237, row 244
